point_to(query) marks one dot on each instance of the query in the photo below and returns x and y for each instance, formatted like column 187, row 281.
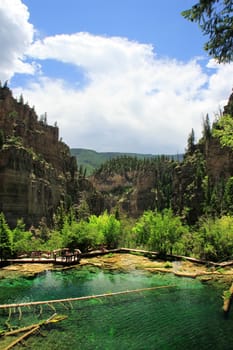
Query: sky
column 115, row 75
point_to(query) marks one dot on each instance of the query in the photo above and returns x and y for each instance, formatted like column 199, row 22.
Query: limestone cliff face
column 219, row 160
column 118, row 190
column 132, row 192
column 36, row 169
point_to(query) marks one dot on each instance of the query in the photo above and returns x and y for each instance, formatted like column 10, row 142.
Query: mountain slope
column 91, row 160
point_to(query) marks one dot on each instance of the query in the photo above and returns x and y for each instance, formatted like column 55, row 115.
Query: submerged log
column 88, row 297
column 227, row 299
column 22, row 337
column 30, row 329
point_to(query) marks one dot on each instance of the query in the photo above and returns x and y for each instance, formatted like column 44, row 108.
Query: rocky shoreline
column 127, row 262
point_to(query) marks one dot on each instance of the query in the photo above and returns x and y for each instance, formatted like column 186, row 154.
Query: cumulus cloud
column 133, row 101
column 16, row 34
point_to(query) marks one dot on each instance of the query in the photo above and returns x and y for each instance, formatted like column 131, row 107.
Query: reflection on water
column 187, row 316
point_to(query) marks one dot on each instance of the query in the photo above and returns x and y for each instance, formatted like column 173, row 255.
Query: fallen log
column 30, row 329
column 19, row 330
column 88, row 297
column 227, row 299
column 22, row 337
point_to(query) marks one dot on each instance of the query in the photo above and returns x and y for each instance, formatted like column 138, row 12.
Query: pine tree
column 206, row 128
column 191, row 143
column 5, row 239
column 216, row 22
column 1, row 138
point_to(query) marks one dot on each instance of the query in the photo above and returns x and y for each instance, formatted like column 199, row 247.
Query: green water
column 188, row 316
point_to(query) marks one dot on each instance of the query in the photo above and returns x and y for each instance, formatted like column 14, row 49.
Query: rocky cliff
column 132, row 185
column 37, row 172
column 201, row 184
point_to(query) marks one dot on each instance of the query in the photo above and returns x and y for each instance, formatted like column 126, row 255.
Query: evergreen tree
column 1, row 138
column 83, row 210
column 228, row 195
column 216, row 21
column 5, row 239
column 206, row 128
column 191, row 143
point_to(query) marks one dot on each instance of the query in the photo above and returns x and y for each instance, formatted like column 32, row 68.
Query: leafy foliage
column 88, row 234
column 162, row 231
column 216, row 21
column 214, row 240
column 159, row 231
column 21, row 239
column 223, row 130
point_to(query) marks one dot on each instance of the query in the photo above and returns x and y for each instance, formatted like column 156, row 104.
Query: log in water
column 88, row 297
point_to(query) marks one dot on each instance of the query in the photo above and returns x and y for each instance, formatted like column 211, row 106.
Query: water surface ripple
column 188, row 316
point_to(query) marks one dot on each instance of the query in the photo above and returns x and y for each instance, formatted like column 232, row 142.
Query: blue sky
column 156, row 22
column 119, row 75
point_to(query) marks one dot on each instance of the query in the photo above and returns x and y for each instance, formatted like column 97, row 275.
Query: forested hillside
column 89, row 160
column 202, row 184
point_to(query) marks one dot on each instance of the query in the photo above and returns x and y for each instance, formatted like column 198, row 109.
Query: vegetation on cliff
column 160, row 203
column 200, row 185
column 37, row 172
column 89, row 160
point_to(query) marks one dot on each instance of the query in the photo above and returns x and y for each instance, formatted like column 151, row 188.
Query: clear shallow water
column 188, row 316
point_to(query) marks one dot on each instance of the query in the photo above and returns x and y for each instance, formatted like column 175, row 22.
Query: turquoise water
column 187, row 316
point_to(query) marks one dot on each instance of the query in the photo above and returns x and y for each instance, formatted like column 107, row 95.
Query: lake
column 187, row 316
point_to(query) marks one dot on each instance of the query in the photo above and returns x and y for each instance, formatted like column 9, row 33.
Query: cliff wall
column 145, row 186
column 37, row 172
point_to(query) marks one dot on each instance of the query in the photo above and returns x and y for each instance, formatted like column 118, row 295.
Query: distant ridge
column 90, row 160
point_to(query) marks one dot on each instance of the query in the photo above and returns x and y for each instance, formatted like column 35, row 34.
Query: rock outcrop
column 37, row 172
column 201, row 184
column 133, row 186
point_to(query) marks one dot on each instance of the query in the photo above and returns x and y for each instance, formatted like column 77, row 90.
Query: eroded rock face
column 135, row 191
column 219, row 160
column 37, row 172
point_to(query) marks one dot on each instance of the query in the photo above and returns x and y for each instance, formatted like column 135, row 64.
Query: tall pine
column 5, row 239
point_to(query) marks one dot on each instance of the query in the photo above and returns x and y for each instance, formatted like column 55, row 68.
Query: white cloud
column 16, row 34
column 96, row 54
column 132, row 100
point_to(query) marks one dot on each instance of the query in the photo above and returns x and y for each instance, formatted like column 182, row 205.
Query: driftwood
column 30, row 330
